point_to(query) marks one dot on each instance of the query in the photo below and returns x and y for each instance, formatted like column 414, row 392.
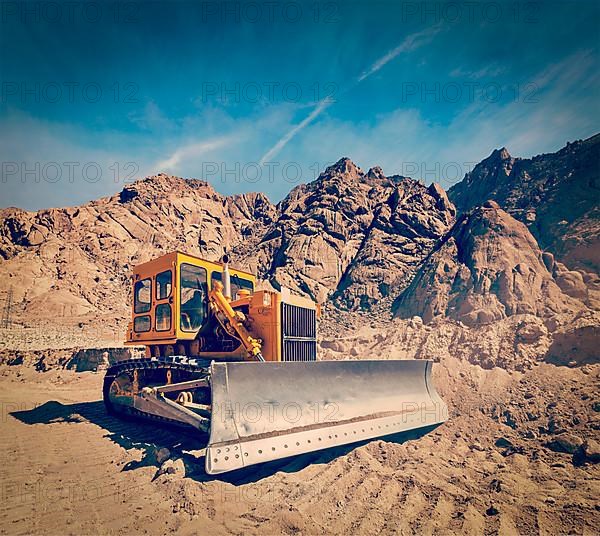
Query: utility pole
column 7, row 309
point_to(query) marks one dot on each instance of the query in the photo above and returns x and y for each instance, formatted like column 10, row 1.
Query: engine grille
column 299, row 333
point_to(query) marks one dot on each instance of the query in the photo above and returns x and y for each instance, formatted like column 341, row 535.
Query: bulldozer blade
column 267, row 411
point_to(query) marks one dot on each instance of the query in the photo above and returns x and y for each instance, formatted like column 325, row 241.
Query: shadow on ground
column 150, row 437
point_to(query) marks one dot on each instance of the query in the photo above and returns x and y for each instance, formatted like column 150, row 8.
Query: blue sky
column 254, row 96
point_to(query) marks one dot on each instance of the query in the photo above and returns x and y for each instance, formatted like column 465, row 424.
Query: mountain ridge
column 557, row 195
column 352, row 238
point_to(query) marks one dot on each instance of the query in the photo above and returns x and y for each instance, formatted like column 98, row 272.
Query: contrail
column 412, row 42
column 321, row 105
column 190, row 151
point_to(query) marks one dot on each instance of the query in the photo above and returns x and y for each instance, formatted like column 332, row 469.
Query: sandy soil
column 68, row 468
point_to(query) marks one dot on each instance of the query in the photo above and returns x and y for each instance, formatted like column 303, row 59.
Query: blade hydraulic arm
column 233, row 321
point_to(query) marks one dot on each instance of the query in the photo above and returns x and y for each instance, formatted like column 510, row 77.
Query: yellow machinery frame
column 263, row 309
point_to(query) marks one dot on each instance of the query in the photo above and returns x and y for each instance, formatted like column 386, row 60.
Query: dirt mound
column 78, row 359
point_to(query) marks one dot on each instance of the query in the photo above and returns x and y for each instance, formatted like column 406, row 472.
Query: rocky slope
column 360, row 236
column 351, row 238
column 70, row 264
column 556, row 195
column 487, row 268
column 354, row 235
column 404, row 230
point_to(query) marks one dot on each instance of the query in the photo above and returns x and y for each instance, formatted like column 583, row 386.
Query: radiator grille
column 295, row 350
column 299, row 333
column 298, row 321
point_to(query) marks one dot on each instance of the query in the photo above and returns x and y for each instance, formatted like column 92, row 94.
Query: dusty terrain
column 68, row 468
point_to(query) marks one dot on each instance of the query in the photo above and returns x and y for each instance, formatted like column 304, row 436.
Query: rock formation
column 67, row 263
column 355, row 235
column 404, row 230
column 556, row 195
column 487, row 268
column 352, row 238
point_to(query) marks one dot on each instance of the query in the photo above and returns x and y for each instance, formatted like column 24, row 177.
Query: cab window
column 163, row 317
column 141, row 324
column 237, row 283
column 142, row 296
column 163, row 285
column 194, row 292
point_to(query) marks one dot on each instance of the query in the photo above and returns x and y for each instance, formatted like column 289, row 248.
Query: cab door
column 193, row 299
column 164, row 304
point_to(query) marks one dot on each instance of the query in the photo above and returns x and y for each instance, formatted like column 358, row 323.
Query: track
column 183, row 369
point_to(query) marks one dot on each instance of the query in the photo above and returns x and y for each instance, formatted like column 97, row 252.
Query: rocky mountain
column 352, row 235
column 514, row 333
column 489, row 267
column 355, row 236
column 556, row 195
column 355, row 239
column 68, row 263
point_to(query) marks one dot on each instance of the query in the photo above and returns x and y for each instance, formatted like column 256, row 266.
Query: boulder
column 94, row 359
column 571, row 282
column 162, row 454
column 591, row 451
column 548, row 260
column 567, row 443
column 174, row 468
column 531, row 332
column 503, row 442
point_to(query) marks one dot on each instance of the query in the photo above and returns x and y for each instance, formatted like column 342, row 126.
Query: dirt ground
column 68, row 468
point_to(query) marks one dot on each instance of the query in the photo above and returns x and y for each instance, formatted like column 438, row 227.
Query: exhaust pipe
column 226, row 277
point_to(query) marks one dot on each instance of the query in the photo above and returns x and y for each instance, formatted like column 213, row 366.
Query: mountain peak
column 344, row 165
column 163, row 184
column 376, row 173
column 554, row 194
column 499, row 154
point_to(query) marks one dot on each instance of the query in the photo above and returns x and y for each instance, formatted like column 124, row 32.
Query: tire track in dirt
column 442, row 483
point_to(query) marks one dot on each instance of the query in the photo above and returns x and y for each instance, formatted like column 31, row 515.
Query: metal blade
column 266, row 411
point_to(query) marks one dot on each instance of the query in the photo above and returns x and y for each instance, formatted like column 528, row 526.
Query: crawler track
column 181, row 367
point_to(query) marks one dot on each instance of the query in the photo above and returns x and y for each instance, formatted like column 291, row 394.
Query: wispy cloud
column 407, row 142
column 412, row 42
column 152, row 118
column 192, row 150
column 491, row 70
column 322, row 105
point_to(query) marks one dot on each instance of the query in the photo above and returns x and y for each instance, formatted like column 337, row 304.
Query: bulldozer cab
column 170, row 297
column 172, row 314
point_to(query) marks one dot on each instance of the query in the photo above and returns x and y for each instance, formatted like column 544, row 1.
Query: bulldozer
column 240, row 364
